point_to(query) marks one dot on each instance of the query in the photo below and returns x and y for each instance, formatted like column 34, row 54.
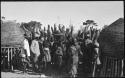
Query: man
column 91, row 49
column 74, row 52
column 37, row 31
column 87, row 49
column 26, row 49
column 97, row 62
column 36, row 51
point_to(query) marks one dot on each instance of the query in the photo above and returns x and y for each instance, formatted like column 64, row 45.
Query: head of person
column 25, row 36
column 45, row 44
column 72, row 41
column 42, row 38
column 36, row 38
column 57, row 32
column 87, row 36
column 67, row 30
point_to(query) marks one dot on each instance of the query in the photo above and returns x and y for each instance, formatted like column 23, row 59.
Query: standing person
column 88, row 53
column 91, row 51
column 26, row 49
column 36, row 51
column 74, row 52
column 46, row 57
column 97, row 62
column 37, row 31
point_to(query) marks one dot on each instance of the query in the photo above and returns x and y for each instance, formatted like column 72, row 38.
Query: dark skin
column 73, row 58
column 27, row 57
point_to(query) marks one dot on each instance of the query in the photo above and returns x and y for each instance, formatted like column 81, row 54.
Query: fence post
column 93, row 74
column 122, row 68
column 116, row 67
column 8, row 57
column 11, row 59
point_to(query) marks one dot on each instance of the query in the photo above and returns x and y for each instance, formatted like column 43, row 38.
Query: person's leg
column 28, row 58
column 28, row 61
column 44, row 66
column 35, row 63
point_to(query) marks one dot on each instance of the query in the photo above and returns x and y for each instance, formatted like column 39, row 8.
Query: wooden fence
column 9, row 53
column 112, row 67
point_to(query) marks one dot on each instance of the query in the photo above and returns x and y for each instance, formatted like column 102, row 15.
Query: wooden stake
column 93, row 74
column 122, row 68
column 11, row 58
column 8, row 57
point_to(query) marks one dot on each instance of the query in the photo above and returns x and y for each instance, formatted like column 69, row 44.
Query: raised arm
column 71, row 32
column 60, row 28
column 55, row 29
column 96, row 35
column 52, row 30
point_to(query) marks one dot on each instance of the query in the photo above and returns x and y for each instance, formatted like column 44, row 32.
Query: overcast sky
column 103, row 12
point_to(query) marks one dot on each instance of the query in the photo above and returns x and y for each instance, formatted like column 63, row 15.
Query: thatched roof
column 112, row 39
column 11, row 33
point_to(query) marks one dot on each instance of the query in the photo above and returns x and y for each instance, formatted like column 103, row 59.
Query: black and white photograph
column 62, row 39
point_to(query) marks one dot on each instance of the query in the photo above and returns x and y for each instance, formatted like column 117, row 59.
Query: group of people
column 62, row 49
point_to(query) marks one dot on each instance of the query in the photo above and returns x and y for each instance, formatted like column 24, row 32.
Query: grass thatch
column 11, row 34
column 112, row 39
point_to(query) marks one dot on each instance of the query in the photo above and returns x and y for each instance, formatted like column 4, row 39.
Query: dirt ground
column 50, row 73
column 20, row 74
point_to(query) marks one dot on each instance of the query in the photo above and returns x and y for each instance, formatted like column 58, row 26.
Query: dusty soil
column 29, row 74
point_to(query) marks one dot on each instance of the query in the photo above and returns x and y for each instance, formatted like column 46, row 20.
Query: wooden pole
column 11, row 59
column 122, row 68
column 119, row 67
column 8, row 57
column 105, row 67
column 95, row 64
column 113, row 68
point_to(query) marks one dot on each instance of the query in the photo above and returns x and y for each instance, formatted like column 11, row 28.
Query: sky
column 64, row 12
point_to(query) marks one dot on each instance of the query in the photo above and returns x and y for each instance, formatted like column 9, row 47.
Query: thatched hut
column 112, row 39
column 11, row 33
column 12, row 37
column 111, row 42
